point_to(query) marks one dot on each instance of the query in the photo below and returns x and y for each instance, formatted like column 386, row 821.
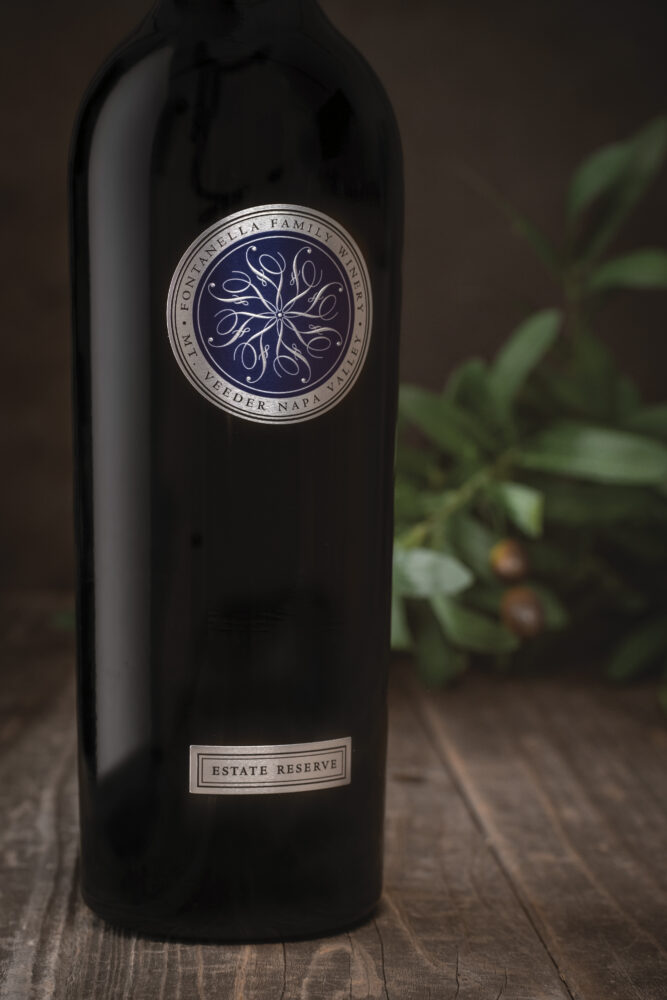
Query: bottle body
column 234, row 568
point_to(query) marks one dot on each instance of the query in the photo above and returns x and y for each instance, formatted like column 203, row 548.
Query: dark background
column 519, row 90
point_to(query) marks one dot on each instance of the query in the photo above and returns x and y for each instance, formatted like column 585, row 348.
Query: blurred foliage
column 531, row 493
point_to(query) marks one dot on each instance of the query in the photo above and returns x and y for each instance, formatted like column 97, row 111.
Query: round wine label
column 270, row 312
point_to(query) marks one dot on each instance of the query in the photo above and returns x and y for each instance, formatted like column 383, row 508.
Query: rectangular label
column 270, row 770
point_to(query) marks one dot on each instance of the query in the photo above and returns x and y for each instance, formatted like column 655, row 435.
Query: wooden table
column 525, row 855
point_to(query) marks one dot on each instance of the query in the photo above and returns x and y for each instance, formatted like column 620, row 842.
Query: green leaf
column 640, row 269
column 580, row 504
column 522, row 352
column 437, row 661
column 473, row 542
column 596, row 176
column 567, row 395
column 596, row 453
column 650, row 420
column 444, row 423
column 645, row 156
column 523, row 505
column 472, row 630
column 401, row 639
column 422, row 572
column 590, row 380
column 588, row 387
column 471, row 387
column 642, row 647
column 461, row 375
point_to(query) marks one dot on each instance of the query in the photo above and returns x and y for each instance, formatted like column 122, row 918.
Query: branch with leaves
column 531, row 493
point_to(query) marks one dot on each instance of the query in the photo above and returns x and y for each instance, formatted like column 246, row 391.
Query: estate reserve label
column 270, row 770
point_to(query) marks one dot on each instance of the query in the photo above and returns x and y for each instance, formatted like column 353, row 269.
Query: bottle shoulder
column 267, row 88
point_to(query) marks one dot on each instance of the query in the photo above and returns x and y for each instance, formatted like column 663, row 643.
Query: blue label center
column 274, row 314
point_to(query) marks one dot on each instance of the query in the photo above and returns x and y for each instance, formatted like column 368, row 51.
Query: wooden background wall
column 520, row 90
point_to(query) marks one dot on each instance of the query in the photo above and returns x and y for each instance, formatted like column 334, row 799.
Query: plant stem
column 455, row 500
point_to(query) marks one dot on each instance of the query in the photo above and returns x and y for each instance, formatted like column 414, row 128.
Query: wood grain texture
column 568, row 783
column 525, row 852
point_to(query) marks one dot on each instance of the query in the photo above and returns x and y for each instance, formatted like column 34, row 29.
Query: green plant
column 548, row 448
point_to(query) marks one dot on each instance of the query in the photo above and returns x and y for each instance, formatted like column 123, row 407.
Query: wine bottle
column 236, row 229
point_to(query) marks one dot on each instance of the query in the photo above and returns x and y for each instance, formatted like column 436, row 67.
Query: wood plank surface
column 525, row 851
column 564, row 781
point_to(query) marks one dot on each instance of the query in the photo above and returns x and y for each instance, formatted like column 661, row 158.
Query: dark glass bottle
column 236, row 169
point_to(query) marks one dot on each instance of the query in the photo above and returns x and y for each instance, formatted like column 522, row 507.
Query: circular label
column 269, row 313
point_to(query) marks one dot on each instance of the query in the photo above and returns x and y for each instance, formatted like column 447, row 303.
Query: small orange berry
column 522, row 612
column 509, row 560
